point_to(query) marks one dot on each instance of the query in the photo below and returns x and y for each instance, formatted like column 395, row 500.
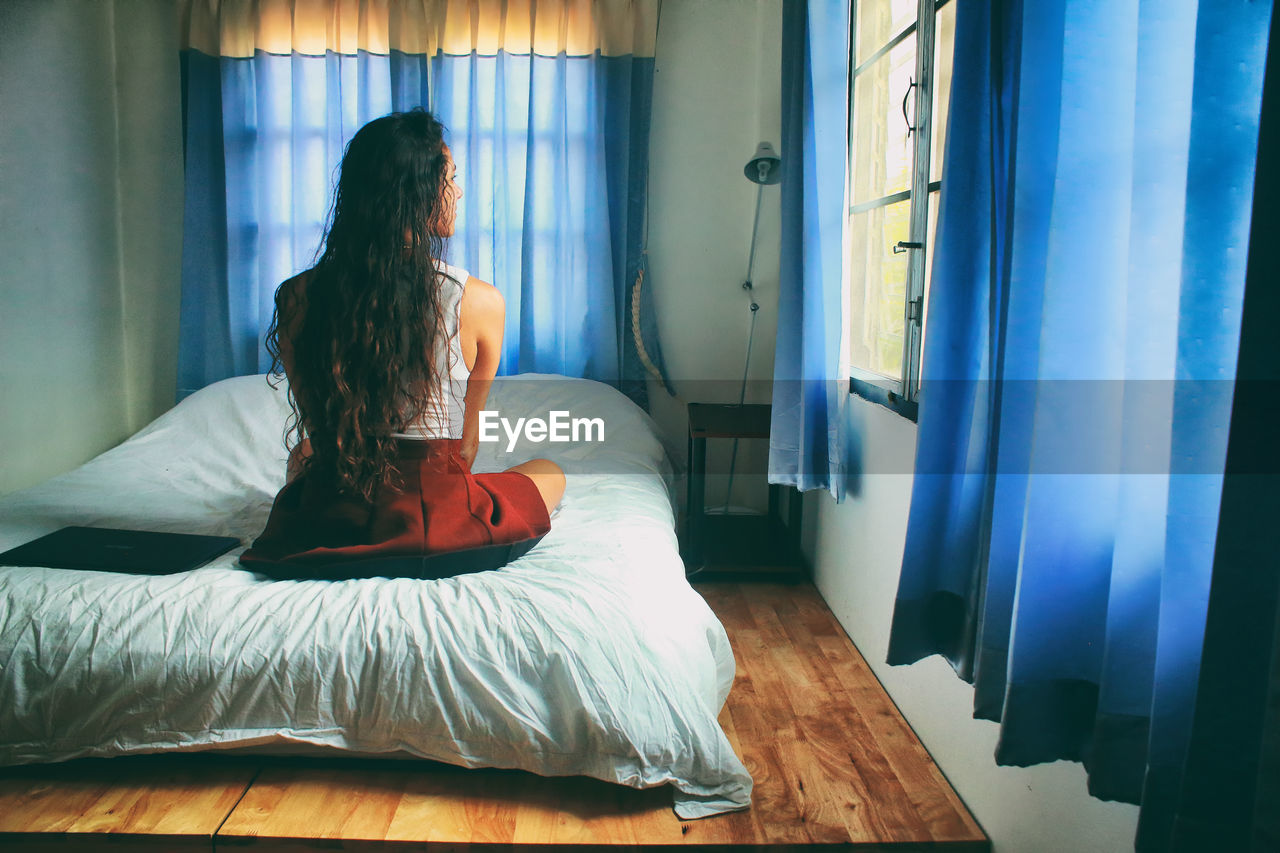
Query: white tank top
column 442, row 416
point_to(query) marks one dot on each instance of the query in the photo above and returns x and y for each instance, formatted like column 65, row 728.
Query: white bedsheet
column 590, row 655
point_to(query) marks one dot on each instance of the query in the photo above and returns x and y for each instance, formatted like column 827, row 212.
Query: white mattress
column 591, row 655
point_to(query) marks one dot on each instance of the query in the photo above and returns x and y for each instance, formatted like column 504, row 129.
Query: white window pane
column 882, row 150
column 879, row 21
column 878, row 287
column 944, row 42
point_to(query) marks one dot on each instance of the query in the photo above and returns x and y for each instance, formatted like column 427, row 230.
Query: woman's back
column 444, row 409
column 472, row 313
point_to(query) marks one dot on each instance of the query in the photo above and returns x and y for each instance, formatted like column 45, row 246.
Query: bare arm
column 483, row 312
column 297, row 455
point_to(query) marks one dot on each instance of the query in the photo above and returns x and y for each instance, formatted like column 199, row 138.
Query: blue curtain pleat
column 625, row 103
column 1230, row 57
column 1228, row 791
column 1084, row 319
column 812, row 444
column 552, row 154
column 205, row 352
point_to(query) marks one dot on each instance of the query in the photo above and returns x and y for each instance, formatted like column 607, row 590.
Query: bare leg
column 547, row 476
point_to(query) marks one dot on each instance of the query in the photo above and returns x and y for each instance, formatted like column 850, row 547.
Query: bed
column 591, row 655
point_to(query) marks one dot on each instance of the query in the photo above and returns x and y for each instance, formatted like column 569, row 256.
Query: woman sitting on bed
column 389, row 353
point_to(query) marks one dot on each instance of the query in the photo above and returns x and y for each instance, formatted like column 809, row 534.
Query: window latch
column 902, row 245
column 913, row 309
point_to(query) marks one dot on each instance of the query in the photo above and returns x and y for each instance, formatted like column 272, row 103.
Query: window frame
column 901, row 395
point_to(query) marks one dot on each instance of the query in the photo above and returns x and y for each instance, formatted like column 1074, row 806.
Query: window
column 897, row 119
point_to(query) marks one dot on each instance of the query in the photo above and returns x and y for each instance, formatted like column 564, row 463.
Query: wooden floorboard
column 834, row 764
column 161, row 802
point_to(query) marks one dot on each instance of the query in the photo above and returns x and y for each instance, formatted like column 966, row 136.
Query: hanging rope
column 635, row 328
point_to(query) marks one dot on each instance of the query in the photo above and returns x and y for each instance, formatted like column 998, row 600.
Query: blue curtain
column 811, row 442
column 1228, row 797
column 1084, row 323
column 552, row 152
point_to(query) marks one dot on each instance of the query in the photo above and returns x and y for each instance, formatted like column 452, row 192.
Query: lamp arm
column 755, row 228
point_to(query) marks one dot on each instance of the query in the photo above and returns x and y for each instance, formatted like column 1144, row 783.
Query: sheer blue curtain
column 263, row 138
column 547, row 108
column 1084, row 322
column 811, row 442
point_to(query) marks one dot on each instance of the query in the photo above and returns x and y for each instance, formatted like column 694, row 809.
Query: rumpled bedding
column 591, row 655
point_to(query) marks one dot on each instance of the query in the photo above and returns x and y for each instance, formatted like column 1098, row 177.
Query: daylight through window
column 898, row 113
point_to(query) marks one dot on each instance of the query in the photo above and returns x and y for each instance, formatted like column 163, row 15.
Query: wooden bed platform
column 835, row 766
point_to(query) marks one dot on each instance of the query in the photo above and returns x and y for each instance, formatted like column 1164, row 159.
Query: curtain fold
column 1229, row 792
column 547, row 105
column 1084, row 323
column 812, row 444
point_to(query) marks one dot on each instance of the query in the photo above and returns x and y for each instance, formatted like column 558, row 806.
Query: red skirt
column 438, row 520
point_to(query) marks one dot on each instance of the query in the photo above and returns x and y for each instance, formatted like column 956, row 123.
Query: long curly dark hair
column 363, row 346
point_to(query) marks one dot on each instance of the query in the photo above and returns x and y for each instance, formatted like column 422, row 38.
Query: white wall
column 90, row 228
column 716, row 96
column 150, row 200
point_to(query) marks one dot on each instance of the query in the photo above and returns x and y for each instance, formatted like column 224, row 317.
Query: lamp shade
column 765, row 167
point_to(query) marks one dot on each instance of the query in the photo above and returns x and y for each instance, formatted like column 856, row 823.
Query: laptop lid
column 105, row 549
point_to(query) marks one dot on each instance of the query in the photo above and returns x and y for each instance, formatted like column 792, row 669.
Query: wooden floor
column 833, row 761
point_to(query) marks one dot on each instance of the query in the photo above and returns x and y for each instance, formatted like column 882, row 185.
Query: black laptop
column 103, row 549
